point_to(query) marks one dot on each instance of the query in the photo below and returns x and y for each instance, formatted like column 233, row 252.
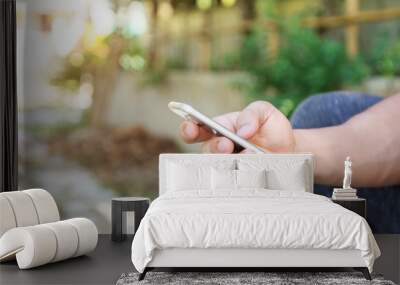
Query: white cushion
column 26, row 208
column 292, row 179
column 226, row 179
column 87, row 233
column 278, row 162
column 23, row 208
column 289, row 174
column 46, row 207
column 40, row 244
column 251, row 178
column 67, row 237
column 32, row 246
column 186, row 175
column 223, row 179
column 7, row 218
column 183, row 178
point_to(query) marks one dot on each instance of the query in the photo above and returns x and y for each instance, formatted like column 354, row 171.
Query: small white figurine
column 346, row 192
column 347, row 174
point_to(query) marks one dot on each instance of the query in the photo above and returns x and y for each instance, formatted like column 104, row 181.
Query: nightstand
column 126, row 214
column 357, row 205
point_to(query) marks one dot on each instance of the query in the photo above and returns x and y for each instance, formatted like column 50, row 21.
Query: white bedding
column 250, row 219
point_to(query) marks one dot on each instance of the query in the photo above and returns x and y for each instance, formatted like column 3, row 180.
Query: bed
column 246, row 211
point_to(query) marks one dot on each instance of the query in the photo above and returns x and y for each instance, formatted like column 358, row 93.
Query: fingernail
column 244, row 130
column 188, row 130
column 222, row 146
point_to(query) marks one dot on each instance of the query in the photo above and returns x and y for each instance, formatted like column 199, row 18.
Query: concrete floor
column 388, row 264
column 103, row 266
column 110, row 259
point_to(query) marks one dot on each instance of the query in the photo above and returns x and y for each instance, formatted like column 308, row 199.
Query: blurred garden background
column 95, row 77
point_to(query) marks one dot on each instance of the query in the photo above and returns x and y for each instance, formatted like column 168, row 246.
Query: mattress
column 251, row 219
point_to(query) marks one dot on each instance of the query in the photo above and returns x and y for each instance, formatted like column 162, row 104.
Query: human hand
column 260, row 123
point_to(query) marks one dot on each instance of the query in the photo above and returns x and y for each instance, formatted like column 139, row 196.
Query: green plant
column 385, row 56
column 305, row 64
column 89, row 59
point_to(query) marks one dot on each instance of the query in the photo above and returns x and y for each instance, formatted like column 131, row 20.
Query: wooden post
column 249, row 14
column 273, row 40
column 154, row 60
column 105, row 78
column 205, row 40
column 351, row 31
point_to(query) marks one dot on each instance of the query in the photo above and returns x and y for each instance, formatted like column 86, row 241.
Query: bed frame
column 248, row 259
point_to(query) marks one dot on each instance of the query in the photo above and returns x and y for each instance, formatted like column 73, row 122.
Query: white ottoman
column 31, row 232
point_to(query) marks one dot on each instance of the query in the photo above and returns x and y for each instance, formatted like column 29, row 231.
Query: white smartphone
column 189, row 113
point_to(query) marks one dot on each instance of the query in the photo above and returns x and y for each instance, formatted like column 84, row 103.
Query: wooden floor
column 103, row 266
column 110, row 259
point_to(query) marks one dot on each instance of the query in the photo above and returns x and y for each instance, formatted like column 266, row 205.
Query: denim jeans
column 334, row 108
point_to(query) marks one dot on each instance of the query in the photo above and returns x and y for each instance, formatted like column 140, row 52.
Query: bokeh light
column 204, row 4
column 102, row 17
column 76, row 59
column 165, row 10
column 228, row 3
column 137, row 20
column 66, row 34
column 132, row 62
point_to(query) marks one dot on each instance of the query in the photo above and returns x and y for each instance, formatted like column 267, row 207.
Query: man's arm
column 371, row 139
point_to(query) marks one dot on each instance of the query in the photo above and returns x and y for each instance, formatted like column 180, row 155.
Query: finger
column 222, row 144
column 218, row 145
column 273, row 130
column 192, row 133
column 252, row 117
column 228, row 120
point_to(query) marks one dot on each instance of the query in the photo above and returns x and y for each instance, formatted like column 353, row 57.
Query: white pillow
column 193, row 175
column 236, row 179
column 223, row 179
column 181, row 178
column 292, row 179
column 251, row 178
column 282, row 174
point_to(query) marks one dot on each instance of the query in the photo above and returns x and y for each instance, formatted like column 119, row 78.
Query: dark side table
column 356, row 205
column 126, row 214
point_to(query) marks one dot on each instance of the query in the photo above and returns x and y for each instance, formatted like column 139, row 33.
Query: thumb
column 247, row 125
column 250, row 119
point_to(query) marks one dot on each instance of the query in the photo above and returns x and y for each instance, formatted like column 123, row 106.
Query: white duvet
column 250, row 219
